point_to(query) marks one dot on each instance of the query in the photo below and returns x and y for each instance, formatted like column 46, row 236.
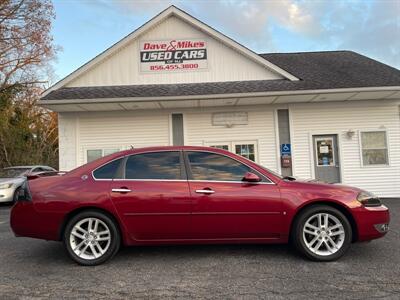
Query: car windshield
column 13, row 172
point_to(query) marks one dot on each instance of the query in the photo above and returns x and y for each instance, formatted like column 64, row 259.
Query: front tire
column 91, row 238
column 322, row 233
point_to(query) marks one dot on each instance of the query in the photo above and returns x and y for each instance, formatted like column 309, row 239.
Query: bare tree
column 26, row 45
column 28, row 133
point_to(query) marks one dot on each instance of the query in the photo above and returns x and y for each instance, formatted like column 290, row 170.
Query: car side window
column 108, row 171
column 155, row 165
column 215, row 167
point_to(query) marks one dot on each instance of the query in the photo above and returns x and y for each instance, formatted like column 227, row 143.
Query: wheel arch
column 76, row 211
column 340, row 207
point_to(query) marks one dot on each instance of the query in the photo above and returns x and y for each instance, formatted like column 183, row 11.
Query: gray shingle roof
column 316, row 70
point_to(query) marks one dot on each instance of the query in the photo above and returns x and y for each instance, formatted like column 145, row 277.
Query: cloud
column 369, row 27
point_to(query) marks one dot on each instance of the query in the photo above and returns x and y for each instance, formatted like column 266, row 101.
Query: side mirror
column 251, row 177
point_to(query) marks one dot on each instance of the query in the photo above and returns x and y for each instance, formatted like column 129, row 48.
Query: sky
column 84, row 28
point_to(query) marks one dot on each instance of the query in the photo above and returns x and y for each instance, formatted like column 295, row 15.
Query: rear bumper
column 26, row 221
column 370, row 220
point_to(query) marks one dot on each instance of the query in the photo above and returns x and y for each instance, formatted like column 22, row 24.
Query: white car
column 12, row 178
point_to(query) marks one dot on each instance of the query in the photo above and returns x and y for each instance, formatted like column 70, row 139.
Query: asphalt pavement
column 36, row 269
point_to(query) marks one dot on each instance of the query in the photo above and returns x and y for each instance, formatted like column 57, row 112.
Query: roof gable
column 173, row 11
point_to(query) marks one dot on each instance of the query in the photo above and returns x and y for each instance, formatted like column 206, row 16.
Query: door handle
column 121, row 190
column 205, row 191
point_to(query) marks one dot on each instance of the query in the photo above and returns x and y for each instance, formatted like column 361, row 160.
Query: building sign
column 173, row 55
column 286, row 149
column 229, row 118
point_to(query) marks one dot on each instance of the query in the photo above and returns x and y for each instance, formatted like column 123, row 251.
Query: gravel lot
column 38, row 269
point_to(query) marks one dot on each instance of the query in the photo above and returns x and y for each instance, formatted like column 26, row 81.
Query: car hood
column 313, row 183
column 15, row 180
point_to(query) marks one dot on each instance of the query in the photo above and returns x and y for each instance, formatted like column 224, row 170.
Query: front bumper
column 7, row 195
column 372, row 222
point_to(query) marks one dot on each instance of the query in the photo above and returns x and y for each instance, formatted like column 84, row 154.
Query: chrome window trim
column 180, row 180
column 124, row 179
column 227, row 181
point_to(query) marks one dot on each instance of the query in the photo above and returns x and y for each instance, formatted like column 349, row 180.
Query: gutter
column 218, row 96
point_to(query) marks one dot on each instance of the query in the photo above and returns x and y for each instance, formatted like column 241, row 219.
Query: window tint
column 211, row 166
column 108, row 171
column 157, row 165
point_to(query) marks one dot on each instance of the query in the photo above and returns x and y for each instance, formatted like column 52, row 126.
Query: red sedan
column 188, row 195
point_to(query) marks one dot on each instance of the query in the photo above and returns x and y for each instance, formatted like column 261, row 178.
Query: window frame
column 361, row 148
column 232, row 146
column 264, row 178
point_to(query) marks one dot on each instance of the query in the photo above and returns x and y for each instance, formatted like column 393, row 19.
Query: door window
column 156, row 165
column 325, row 152
column 215, row 167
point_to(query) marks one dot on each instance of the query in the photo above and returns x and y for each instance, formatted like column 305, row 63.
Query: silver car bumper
column 6, row 195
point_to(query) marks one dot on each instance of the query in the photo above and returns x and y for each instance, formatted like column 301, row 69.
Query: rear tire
column 91, row 238
column 321, row 233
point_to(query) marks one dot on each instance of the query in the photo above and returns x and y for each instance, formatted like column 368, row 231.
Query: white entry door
column 326, row 158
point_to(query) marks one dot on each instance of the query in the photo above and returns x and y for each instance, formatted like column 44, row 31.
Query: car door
column 225, row 207
column 153, row 198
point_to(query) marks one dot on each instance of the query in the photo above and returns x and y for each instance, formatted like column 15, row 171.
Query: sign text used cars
column 173, row 55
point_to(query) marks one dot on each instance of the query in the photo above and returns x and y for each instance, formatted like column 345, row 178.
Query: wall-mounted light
column 350, row 133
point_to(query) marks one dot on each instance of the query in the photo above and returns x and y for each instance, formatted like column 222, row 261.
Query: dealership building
column 333, row 115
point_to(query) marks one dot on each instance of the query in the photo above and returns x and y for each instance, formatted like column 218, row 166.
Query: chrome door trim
column 121, row 190
column 205, row 191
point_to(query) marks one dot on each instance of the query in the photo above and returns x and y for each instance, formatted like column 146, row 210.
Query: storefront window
column 224, row 147
column 246, row 150
column 94, row 154
column 374, row 148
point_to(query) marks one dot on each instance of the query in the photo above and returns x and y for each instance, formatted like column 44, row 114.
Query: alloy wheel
column 323, row 234
column 90, row 238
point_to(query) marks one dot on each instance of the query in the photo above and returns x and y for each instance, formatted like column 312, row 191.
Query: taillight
column 23, row 193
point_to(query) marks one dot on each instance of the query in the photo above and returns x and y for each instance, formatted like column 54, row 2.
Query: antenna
column 132, row 147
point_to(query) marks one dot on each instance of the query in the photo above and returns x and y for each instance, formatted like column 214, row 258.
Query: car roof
column 170, row 148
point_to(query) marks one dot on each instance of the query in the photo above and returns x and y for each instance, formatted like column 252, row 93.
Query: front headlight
column 368, row 199
column 5, row 186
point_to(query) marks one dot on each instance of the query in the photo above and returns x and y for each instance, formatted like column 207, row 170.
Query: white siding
column 109, row 130
column 260, row 129
column 338, row 118
column 224, row 63
column 67, row 125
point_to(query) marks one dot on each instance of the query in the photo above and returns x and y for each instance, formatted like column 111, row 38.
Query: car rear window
column 108, row 171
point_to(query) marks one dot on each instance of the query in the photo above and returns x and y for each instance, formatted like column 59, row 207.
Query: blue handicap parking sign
column 285, row 149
